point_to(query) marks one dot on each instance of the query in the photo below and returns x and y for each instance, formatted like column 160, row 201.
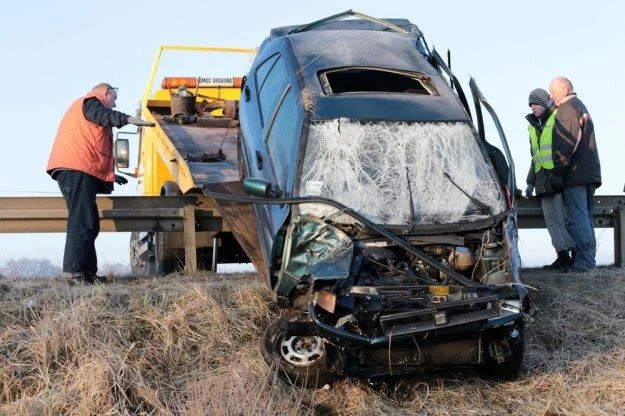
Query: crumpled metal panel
column 512, row 241
column 317, row 249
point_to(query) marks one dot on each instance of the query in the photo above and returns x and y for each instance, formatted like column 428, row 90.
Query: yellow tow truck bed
column 209, row 152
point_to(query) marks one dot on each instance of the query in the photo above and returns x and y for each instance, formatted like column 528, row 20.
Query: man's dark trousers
column 83, row 223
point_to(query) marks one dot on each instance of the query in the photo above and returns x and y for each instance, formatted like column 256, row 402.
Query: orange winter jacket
column 82, row 145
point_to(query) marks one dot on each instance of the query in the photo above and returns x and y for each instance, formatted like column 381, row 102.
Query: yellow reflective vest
column 542, row 153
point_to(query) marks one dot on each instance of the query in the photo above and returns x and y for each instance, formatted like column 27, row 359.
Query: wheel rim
column 143, row 262
column 302, row 351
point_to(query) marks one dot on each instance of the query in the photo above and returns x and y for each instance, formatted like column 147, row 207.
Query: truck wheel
column 146, row 254
column 303, row 360
column 503, row 352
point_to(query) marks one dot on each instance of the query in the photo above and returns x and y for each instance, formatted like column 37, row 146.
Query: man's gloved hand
column 120, row 180
column 529, row 190
column 140, row 122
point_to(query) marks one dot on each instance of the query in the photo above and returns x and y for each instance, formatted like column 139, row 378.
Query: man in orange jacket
column 83, row 164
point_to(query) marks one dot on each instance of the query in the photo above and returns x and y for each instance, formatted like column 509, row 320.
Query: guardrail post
column 216, row 242
column 190, row 254
column 619, row 236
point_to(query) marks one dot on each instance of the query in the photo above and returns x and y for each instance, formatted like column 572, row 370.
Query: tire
column 306, row 361
column 147, row 257
column 509, row 344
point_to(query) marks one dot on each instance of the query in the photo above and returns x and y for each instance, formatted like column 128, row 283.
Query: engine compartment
column 369, row 287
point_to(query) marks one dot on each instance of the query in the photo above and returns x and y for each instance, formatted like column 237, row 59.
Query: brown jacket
column 574, row 146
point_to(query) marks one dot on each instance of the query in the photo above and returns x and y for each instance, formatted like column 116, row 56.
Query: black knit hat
column 540, row 97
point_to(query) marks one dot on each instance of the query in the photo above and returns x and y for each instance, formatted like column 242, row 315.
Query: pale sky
column 54, row 52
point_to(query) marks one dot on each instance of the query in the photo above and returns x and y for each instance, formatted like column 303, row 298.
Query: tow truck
column 193, row 144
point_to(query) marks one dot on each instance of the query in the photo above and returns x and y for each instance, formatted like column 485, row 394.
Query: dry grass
column 190, row 346
column 309, row 100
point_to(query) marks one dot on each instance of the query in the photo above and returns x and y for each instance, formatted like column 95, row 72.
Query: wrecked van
column 386, row 236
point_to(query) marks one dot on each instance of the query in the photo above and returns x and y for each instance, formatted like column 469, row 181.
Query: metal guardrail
column 609, row 213
column 186, row 214
column 121, row 213
column 189, row 214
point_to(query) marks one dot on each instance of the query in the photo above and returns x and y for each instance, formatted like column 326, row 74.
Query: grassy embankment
column 190, row 346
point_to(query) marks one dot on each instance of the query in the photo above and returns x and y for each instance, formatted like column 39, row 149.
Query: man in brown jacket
column 577, row 164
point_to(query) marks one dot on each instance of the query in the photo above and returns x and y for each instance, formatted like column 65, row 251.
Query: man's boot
column 563, row 261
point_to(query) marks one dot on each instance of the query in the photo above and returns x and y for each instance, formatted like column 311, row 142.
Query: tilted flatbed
column 198, row 147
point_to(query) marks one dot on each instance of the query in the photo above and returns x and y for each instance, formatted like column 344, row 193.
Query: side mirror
column 122, row 153
column 260, row 187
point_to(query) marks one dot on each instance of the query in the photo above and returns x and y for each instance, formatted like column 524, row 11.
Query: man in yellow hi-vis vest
column 541, row 179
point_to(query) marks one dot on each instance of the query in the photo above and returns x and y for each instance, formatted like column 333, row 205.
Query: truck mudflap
column 241, row 220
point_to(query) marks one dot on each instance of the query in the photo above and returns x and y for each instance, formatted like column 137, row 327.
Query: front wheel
column 304, row 360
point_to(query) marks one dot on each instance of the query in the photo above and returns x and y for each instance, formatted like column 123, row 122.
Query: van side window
column 271, row 81
column 264, row 68
column 283, row 141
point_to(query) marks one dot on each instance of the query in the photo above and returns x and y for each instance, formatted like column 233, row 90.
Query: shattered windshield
column 400, row 173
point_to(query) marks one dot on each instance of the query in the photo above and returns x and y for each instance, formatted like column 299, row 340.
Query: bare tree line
column 29, row 268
